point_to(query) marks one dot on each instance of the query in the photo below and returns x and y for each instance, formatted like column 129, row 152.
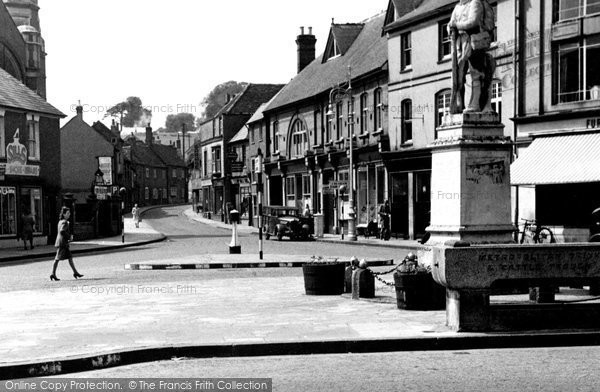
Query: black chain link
column 377, row 274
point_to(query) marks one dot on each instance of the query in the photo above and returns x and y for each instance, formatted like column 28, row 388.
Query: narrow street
column 186, row 239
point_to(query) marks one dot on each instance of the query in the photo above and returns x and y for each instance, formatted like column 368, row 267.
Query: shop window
column 378, row 106
column 442, row 106
column 8, row 211
column 306, row 190
column 364, row 113
column 407, row 133
column 576, row 75
column 298, row 139
column 31, row 202
column 497, row 97
column 405, row 51
column 445, row 43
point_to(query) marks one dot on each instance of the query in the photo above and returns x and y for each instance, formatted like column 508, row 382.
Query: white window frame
column 496, row 99
column 298, row 139
column 33, row 137
column 406, row 47
column 378, row 102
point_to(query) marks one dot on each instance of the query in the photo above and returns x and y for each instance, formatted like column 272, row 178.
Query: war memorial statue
column 471, row 29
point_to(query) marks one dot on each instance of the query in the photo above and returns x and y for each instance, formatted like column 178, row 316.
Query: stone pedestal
column 470, row 182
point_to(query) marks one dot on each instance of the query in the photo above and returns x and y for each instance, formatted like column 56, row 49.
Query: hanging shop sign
column 105, row 165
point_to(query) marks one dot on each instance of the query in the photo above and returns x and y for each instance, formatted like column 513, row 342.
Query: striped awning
column 559, row 159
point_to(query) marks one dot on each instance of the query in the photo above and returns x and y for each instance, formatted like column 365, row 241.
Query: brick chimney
column 79, row 110
column 306, row 48
column 149, row 137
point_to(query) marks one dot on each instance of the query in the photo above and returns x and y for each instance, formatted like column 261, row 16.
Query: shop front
column 409, row 192
column 556, row 181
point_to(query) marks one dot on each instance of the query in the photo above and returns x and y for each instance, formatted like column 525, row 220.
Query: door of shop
column 399, row 204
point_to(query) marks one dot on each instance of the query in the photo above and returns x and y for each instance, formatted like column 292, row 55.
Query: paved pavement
column 85, row 324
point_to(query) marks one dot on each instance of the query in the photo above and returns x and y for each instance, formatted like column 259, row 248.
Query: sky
column 172, row 53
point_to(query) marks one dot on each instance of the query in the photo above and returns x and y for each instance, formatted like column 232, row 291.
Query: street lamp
column 122, row 193
column 335, row 95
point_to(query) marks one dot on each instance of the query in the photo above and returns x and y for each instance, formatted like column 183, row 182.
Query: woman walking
column 135, row 212
column 62, row 243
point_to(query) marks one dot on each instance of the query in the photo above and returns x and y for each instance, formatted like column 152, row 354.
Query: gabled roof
column 14, row 94
column 421, row 10
column 141, row 154
column 167, row 154
column 249, row 99
column 343, row 36
column 368, row 53
column 104, row 131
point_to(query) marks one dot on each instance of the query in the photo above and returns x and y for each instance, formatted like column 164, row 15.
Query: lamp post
column 122, row 193
column 336, row 94
column 259, row 188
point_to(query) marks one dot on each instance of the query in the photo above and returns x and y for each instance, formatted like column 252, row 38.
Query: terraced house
column 305, row 131
column 29, row 128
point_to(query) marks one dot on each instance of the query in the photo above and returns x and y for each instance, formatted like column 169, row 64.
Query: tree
column 130, row 112
column 174, row 122
column 218, row 97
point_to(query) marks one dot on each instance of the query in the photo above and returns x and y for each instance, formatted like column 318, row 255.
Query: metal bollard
column 234, row 246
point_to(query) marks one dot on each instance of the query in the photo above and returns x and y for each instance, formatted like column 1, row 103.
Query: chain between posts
column 377, row 274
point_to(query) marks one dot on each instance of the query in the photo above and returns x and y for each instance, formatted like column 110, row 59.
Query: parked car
column 279, row 221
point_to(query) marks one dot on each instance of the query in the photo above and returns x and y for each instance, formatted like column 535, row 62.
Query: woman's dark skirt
column 63, row 253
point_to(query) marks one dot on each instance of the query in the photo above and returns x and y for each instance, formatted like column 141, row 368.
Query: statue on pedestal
column 471, row 28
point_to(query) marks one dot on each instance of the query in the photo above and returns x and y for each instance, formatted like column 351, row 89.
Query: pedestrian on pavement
column 62, row 243
column 384, row 217
column 28, row 223
column 135, row 211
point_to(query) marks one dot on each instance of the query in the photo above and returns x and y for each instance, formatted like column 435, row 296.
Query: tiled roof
column 248, row 100
column 368, row 53
column 168, row 154
column 421, row 10
column 14, row 94
column 241, row 135
column 103, row 130
column 141, row 154
column 258, row 115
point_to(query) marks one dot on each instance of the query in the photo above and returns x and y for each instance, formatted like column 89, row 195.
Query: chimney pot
column 309, row 30
column 306, row 48
column 149, row 137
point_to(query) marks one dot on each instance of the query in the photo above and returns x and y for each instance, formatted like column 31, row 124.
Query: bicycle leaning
column 535, row 234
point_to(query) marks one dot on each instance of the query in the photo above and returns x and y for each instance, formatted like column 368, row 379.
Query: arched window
column 407, row 121
column 298, row 139
column 442, row 105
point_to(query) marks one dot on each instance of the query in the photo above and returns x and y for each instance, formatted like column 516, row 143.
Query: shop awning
column 560, row 159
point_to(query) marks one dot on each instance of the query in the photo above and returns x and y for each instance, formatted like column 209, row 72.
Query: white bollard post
column 234, row 246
